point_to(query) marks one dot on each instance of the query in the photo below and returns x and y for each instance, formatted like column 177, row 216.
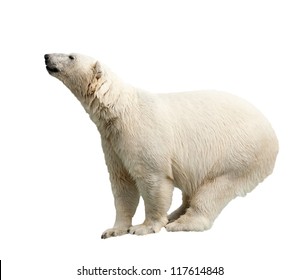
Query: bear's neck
column 110, row 104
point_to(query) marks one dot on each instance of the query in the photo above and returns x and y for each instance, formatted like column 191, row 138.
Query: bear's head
column 78, row 72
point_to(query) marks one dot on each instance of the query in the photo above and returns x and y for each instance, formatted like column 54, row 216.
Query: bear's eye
column 71, row 57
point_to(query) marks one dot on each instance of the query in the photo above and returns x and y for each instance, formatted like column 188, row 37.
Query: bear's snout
column 50, row 66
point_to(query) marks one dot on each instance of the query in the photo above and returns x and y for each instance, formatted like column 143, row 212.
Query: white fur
column 213, row 146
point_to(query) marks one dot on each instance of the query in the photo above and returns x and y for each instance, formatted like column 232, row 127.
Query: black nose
column 46, row 56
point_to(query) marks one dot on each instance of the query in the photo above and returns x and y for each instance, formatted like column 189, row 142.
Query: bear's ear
column 97, row 70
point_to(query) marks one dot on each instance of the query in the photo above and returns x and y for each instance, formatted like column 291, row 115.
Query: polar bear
column 213, row 146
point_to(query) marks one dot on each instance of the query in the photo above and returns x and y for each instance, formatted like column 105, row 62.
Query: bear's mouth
column 52, row 69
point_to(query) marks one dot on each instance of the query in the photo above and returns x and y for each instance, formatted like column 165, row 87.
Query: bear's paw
column 112, row 232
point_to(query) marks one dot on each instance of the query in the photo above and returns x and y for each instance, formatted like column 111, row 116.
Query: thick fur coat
column 213, row 146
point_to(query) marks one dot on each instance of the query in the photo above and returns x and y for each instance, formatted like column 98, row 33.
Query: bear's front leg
column 157, row 194
column 126, row 201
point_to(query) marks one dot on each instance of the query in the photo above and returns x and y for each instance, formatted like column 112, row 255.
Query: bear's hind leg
column 205, row 205
column 181, row 210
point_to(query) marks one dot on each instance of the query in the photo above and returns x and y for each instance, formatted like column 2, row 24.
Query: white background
column 55, row 198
